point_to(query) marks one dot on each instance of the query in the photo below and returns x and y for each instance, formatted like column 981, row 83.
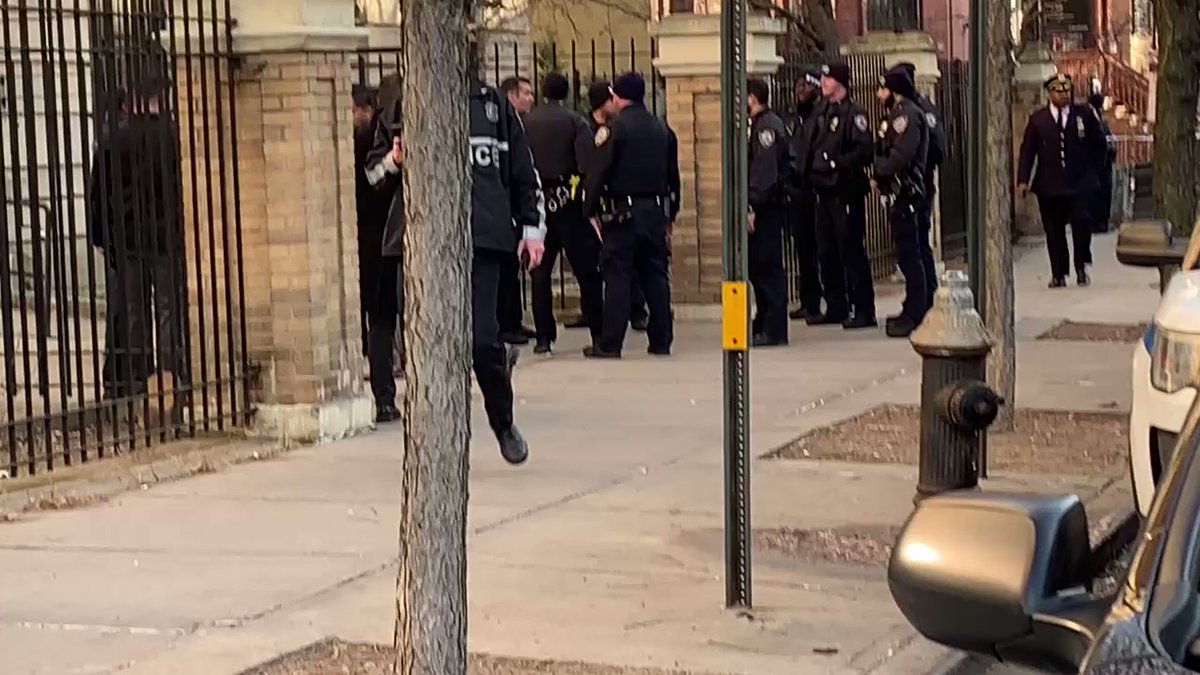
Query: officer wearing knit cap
column 899, row 171
column 1067, row 145
column 803, row 201
column 635, row 173
column 933, row 162
column 835, row 164
column 769, row 170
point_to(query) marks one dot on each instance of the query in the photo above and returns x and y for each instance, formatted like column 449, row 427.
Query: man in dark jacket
column 933, row 161
column 1102, row 203
column 507, row 220
column 803, row 201
column 135, row 218
column 1068, row 146
column 769, row 171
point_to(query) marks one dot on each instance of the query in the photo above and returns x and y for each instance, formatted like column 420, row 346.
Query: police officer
column 519, row 92
column 836, row 153
column 506, row 222
column 1102, row 202
column 769, row 173
column 899, row 172
column 803, row 200
column 933, row 162
column 632, row 176
column 562, row 142
column 1068, row 145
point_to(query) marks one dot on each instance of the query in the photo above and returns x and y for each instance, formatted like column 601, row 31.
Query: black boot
column 1083, row 279
column 513, row 447
column 900, row 327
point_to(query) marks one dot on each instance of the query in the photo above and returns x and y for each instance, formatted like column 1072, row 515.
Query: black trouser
column 637, row 303
column 845, row 268
column 925, row 231
column 635, row 247
column 382, row 314
column 511, row 311
column 1057, row 212
column 147, row 300
column 567, row 231
column 1102, row 202
column 766, row 273
column 804, row 246
column 906, row 235
column 490, row 356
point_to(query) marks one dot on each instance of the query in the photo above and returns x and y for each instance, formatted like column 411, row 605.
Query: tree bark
column 998, row 211
column 1175, row 155
column 431, row 587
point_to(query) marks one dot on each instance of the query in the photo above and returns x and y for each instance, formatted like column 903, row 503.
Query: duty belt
column 631, row 201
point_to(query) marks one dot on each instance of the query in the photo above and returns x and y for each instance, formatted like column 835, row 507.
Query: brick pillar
column 296, row 169
column 689, row 48
column 1034, row 67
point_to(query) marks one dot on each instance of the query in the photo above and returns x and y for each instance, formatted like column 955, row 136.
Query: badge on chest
column 833, row 123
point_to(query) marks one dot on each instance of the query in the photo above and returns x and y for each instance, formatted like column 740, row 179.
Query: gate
column 120, row 260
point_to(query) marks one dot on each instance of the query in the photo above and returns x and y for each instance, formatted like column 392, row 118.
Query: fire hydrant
column 957, row 406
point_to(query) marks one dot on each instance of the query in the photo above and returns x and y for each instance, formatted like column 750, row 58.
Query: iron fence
column 116, row 333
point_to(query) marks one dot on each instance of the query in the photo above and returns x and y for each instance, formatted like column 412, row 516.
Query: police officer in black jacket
column 899, row 172
column 769, row 174
column 632, row 177
column 933, row 162
column 561, row 142
column 1068, row 146
column 1102, row 203
column 836, row 152
column 803, row 201
column 507, row 219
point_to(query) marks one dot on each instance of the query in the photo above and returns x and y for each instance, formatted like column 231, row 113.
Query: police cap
column 629, row 86
column 837, row 71
column 897, row 81
column 599, row 93
column 1059, row 83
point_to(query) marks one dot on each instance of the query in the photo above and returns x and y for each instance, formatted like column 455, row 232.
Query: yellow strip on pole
column 734, row 313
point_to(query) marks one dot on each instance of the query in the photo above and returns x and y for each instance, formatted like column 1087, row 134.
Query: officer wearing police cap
column 899, row 170
column 769, row 174
column 835, row 157
column 802, row 200
column 1067, row 146
column 636, row 166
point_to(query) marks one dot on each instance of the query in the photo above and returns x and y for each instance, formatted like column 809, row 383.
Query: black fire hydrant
column 957, row 406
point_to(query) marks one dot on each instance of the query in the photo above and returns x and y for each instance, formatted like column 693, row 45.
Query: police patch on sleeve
column 931, row 119
column 860, row 121
column 601, row 136
column 766, row 138
column 492, row 111
column 900, row 124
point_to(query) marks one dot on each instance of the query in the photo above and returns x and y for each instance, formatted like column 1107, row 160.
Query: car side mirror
column 1001, row 575
column 1150, row 243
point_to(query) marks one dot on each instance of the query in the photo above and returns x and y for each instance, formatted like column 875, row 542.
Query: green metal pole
column 736, row 309
column 976, row 150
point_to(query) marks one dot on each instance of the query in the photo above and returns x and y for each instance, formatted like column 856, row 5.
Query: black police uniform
column 1068, row 149
column 933, row 162
column 803, row 214
column 1102, row 203
column 561, row 141
column 769, row 174
column 840, row 150
column 899, row 171
column 635, row 160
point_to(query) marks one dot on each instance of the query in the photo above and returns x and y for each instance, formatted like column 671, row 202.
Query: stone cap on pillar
column 1035, row 64
column 919, row 49
column 295, row 25
column 690, row 44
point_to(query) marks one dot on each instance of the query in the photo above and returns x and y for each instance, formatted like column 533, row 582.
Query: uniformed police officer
column 933, row 162
column 803, row 200
column 1066, row 142
column 899, row 175
column 769, row 173
column 513, row 331
column 561, row 143
column 507, row 220
column 632, row 175
column 836, row 156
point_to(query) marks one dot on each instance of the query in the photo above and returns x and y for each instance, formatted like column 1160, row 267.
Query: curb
column 1124, row 526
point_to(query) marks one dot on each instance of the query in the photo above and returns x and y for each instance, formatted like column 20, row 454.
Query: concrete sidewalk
column 606, row 547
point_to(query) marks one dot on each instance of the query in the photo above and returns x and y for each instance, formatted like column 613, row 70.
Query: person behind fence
column 933, row 162
column 899, row 177
column 380, row 239
column 1102, row 203
column 561, row 142
column 837, row 153
column 803, row 201
column 631, row 181
column 135, row 218
column 769, row 173
column 519, row 92
column 1067, row 146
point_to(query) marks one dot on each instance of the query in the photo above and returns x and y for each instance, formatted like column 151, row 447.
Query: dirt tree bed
column 868, row 545
column 1045, row 441
column 1095, row 332
column 334, row 657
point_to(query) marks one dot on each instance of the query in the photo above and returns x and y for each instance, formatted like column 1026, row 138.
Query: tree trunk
column 431, row 588
column 998, row 211
column 1175, row 155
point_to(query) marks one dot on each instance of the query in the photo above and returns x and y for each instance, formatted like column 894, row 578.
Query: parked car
column 1011, row 576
